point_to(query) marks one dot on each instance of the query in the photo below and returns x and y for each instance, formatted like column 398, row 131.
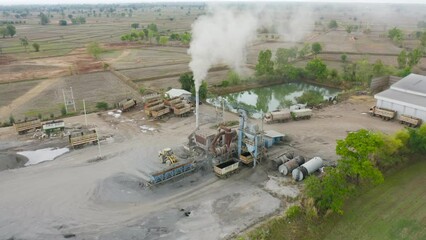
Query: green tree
column 417, row 139
column 11, row 119
column 402, row 59
column 264, row 63
column 388, row 154
column 310, row 98
column 94, row 49
column 332, row 24
column 10, row 30
column 150, row 35
column 153, row 27
column 36, row 47
column 396, row 35
column 357, row 150
column 233, row 78
column 414, row 57
column 423, row 39
column 163, row 40
column 317, row 69
column 24, row 42
column 344, row 57
column 187, row 81
column 305, row 50
column 186, row 38
column 44, row 19
column 330, row 191
column 349, row 28
column 63, row 22
column 203, row 90
column 135, row 25
column 3, row 32
column 316, row 48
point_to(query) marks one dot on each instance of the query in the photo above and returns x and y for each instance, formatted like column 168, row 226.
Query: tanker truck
column 301, row 114
column 277, row 116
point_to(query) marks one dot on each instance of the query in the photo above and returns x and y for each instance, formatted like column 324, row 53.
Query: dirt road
column 75, row 195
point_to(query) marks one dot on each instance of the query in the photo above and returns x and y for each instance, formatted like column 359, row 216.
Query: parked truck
column 160, row 112
column 223, row 170
column 127, row 104
column 277, row 116
column 23, row 127
column 301, row 114
column 78, row 139
column 409, row 120
column 52, row 126
column 385, row 114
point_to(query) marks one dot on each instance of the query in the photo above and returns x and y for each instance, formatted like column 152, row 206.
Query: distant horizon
column 93, row 2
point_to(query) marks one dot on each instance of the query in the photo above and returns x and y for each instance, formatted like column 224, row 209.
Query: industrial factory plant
column 125, row 119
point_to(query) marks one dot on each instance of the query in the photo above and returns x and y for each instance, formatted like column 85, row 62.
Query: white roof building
column 407, row 96
column 174, row 92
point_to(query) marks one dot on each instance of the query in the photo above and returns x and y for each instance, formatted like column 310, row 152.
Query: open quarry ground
column 80, row 196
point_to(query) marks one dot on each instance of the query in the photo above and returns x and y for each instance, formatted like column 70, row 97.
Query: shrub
column 63, row 111
column 293, row 212
column 102, row 105
column 11, row 120
column 311, row 98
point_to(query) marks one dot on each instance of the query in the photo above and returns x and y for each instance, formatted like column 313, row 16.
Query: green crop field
column 393, row 210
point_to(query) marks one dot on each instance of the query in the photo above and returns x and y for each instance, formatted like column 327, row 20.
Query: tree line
column 151, row 32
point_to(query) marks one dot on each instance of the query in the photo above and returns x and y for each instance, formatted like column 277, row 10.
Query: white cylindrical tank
column 309, row 167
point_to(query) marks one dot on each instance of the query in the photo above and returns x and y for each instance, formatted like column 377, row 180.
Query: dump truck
column 127, row 104
column 160, row 112
column 301, row 114
column 23, row 127
column 277, row 116
column 409, row 120
column 182, row 110
column 225, row 169
column 78, row 139
column 52, row 126
column 385, row 114
column 172, row 101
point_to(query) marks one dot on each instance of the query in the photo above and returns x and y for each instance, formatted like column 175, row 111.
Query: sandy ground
column 78, row 195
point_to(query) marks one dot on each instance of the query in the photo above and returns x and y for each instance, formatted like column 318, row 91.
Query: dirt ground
column 76, row 194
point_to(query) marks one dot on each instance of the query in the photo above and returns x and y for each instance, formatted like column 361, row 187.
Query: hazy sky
column 15, row 2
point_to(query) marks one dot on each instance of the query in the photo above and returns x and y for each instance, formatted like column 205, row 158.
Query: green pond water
column 268, row 99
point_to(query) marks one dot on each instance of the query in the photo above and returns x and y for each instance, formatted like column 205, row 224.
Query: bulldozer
column 167, row 156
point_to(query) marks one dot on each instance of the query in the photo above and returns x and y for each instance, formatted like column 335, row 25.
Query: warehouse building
column 407, row 96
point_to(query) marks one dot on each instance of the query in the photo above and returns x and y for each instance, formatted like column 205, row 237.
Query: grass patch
column 393, row 210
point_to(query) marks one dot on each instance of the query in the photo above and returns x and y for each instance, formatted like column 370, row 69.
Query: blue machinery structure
column 249, row 138
column 171, row 173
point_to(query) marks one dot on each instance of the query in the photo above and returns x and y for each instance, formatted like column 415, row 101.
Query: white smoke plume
column 221, row 37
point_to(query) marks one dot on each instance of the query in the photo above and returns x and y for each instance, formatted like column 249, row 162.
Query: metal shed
column 407, row 96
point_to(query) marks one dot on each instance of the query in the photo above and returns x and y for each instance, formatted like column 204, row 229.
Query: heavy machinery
column 250, row 141
column 23, row 127
column 385, row 114
column 167, row 156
